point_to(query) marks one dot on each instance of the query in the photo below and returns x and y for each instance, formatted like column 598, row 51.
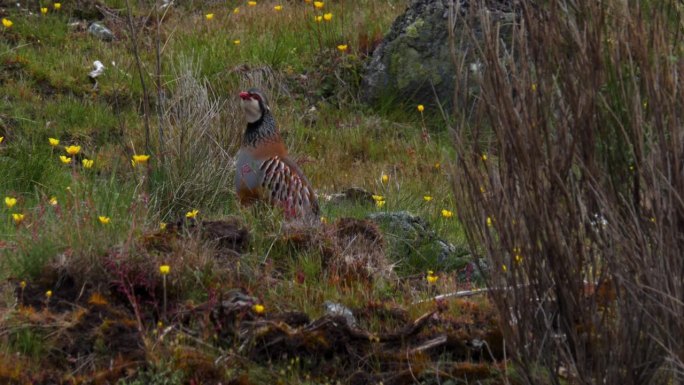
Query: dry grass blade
column 201, row 134
column 577, row 200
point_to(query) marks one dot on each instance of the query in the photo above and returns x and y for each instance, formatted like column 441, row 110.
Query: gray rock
column 414, row 62
column 336, row 309
column 351, row 195
column 413, row 238
column 101, row 32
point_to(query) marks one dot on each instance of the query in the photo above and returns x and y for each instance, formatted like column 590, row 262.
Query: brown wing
column 287, row 186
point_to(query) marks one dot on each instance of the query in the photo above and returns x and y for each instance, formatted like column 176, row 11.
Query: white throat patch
column 252, row 110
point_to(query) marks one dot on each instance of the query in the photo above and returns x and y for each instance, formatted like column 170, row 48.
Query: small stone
column 101, row 32
column 336, row 309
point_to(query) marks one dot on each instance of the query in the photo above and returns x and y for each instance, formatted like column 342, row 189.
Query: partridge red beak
column 245, row 95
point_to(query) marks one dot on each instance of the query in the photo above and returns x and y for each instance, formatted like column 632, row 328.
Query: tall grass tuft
column 577, row 201
column 202, row 133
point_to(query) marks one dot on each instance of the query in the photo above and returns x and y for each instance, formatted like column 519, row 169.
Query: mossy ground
column 105, row 321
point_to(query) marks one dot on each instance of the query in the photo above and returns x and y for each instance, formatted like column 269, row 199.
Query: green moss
column 413, row 30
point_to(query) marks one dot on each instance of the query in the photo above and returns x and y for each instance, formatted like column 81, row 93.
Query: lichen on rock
column 414, row 62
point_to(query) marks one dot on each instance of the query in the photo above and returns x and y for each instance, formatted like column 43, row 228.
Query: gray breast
column 248, row 173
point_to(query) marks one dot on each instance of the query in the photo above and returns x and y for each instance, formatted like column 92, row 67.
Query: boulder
column 413, row 64
column 414, row 243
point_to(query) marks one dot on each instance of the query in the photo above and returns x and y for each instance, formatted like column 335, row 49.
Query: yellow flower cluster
column 72, row 150
column 10, row 202
column 259, row 308
column 139, row 159
column 379, row 201
column 431, row 278
column 18, row 218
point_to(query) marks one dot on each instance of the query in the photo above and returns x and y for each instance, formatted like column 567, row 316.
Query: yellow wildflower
column 44, row 10
column 504, row 268
column 104, row 220
column 65, row 159
column 7, row 22
column 484, row 157
column 327, row 17
column 251, row 3
column 534, row 87
column 447, row 214
column 236, row 42
column 378, row 198
column 236, row 10
column 431, row 277
column 489, row 221
column 324, row 220
column 384, row 178
column 437, row 166
column 258, row 308
column 17, row 218
column 53, row 201
column 191, row 214
column 427, row 198
column 278, row 8
column 209, row 16
column 318, row 19
column 2, row 137
column 22, row 284
column 518, row 258
column 10, row 202
column 57, row 6
column 48, row 294
column 53, row 142
column 482, row 189
column 88, row 163
column 421, row 108
column 318, row 4
column 342, row 47
column 140, row 159
column 73, row 150
column 379, row 204
column 162, row 226
column 164, row 269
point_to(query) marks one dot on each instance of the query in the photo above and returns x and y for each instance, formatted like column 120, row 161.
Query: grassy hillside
column 105, row 276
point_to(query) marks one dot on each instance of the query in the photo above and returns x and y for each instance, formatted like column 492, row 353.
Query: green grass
column 46, row 93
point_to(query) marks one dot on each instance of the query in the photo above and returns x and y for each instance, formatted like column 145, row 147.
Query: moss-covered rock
column 414, row 64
